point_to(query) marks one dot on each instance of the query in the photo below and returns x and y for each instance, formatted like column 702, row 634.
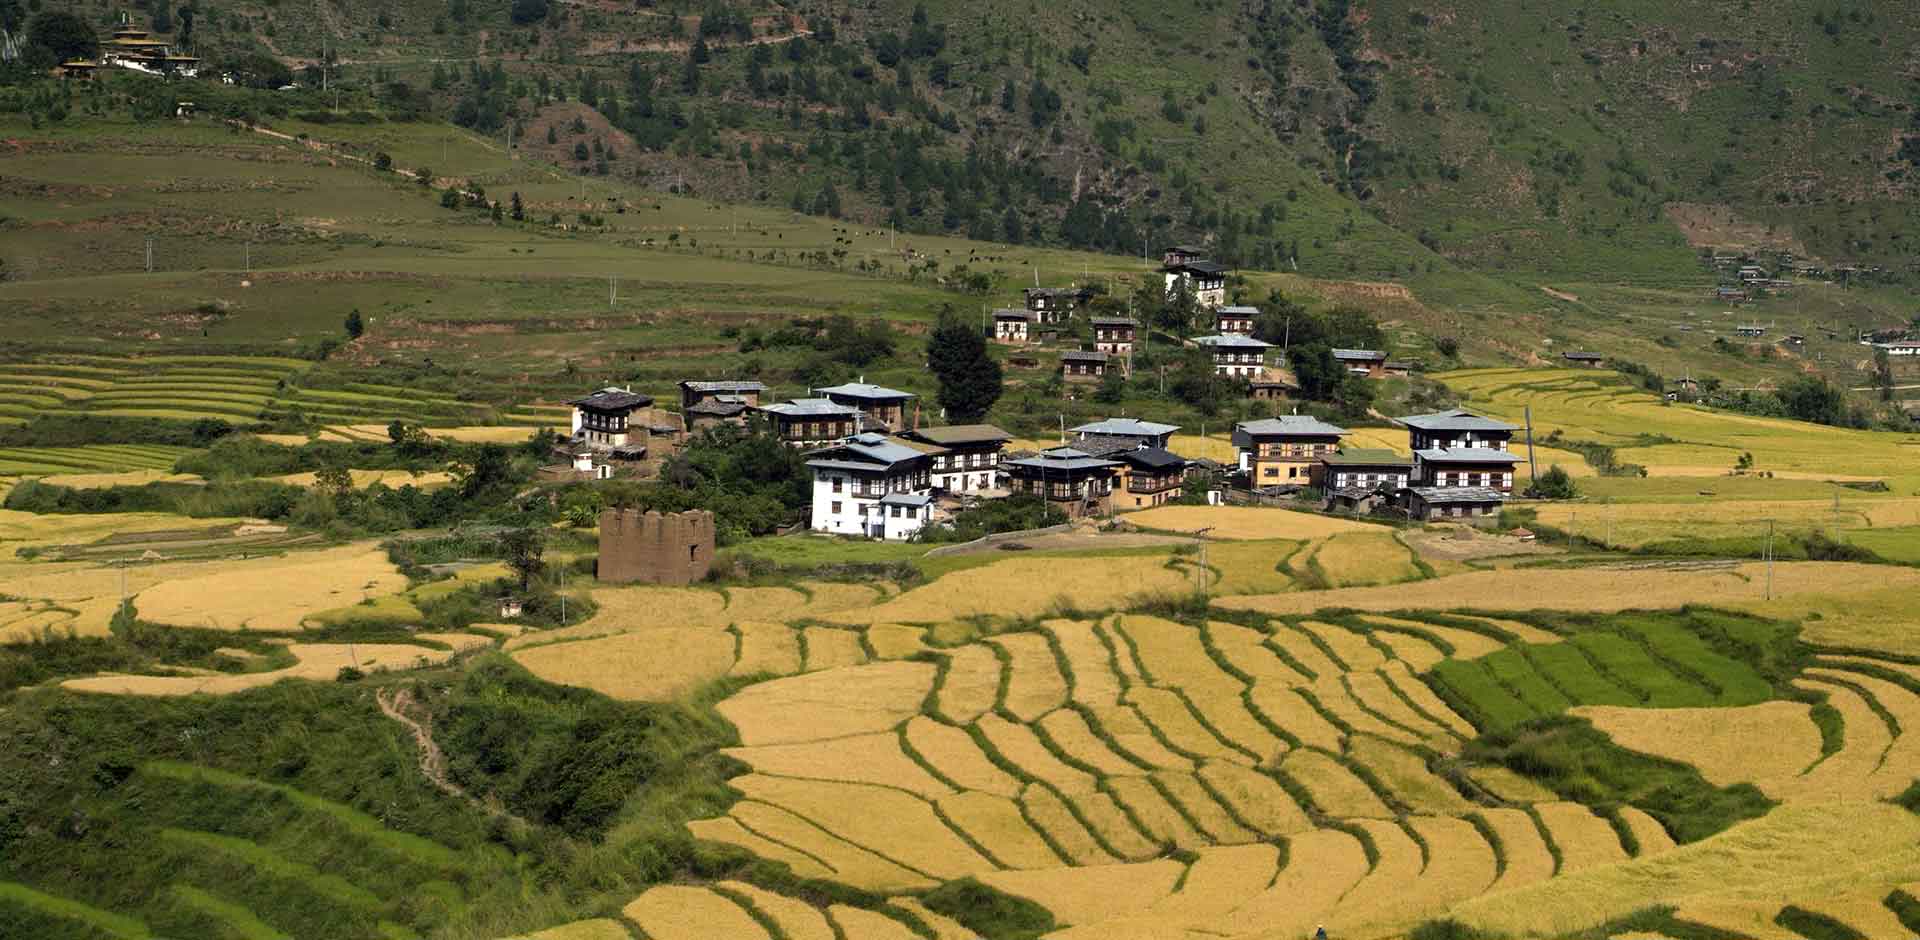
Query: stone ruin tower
column 676, row 548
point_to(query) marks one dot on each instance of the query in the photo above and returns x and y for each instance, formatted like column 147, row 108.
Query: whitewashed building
column 1015, row 326
column 968, row 459
column 872, row 485
column 1236, row 356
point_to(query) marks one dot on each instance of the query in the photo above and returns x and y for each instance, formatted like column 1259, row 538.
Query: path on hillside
column 394, row 703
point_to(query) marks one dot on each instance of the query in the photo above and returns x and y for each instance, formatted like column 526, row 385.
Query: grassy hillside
column 1387, row 138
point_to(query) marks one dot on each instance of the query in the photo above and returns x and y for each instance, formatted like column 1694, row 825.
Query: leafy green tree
column 523, row 551
column 356, row 324
column 1113, row 387
column 1556, row 483
column 65, row 35
column 519, row 208
column 1809, row 398
column 970, row 379
column 526, row 12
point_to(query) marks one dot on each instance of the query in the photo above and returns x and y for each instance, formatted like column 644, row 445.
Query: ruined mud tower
column 651, row 548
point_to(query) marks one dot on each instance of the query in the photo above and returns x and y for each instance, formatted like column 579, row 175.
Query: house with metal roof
column 811, row 422
column 1056, row 304
column 1460, row 448
column 1142, row 433
column 1083, row 365
column 1478, row 504
column 1371, row 363
column 1369, row 468
column 1079, row 483
column 1236, row 356
column 885, row 408
column 1584, row 359
column 1235, row 320
column 1206, row 280
column 1113, row 335
column 747, row 390
column 606, row 421
column 872, row 485
column 1148, row 477
column 1281, row 451
column 969, row 458
column 1015, row 326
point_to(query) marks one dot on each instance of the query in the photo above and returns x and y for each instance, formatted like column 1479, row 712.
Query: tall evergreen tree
column 970, row 380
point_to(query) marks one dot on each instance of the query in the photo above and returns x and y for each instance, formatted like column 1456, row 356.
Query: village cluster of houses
column 878, row 473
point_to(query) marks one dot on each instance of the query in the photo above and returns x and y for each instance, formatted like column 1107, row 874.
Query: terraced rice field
column 236, row 389
column 1605, row 408
column 1049, row 762
column 88, row 459
column 361, row 404
column 27, row 389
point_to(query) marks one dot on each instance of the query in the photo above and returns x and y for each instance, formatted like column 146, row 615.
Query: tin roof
column 1457, row 419
column 613, row 399
column 864, row 390
column 1467, row 455
column 1287, row 424
column 1127, row 427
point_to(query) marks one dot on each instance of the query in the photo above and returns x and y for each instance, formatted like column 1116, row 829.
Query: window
column 835, row 507
column 837, row 484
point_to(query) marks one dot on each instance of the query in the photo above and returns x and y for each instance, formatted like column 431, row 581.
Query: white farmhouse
column 872, row 485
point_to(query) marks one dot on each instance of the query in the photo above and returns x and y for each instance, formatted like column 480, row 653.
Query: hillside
column 1344, row 139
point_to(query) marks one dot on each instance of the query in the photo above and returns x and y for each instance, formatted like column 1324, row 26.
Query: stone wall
column 676, row 548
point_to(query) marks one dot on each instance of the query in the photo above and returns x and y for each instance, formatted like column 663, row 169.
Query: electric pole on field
column 1769, row 559
column 1201, row 537
column 249, row 257
column 149, row 254
column 613, row 292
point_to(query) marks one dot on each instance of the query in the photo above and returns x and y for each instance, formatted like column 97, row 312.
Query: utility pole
column 1201, row 537
column 1769, row 559
column 149, row 254
column 1533, row 471
column 613, row 292
column 249, row 257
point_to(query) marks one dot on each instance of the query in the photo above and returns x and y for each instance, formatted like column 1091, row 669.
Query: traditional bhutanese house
column 77, row 68
column 1371, row 468
column 1113, row 335
column 1056, row 304
column 1078, row 483
column 1267, row 389
column 1371, row 363
column 1473, row 503
column 1181, row 254
column 1081, row 365
column 1149, row 476
column 134, row 49
column 1750, row 330
column 1399, row 367
column 1237, row 321
column 872, row 485
column 1465, row 466
column 1585, row 360
column 885, row 408
column 1014, row 326
column 1141, row 433
column 714, row 411
column 1282, row 451
column 744, row 390
column 1456, row 427
column 970, row 461
column 1460, row 448
column 1236, row 356
column 606, row 420
column 811, row 422
column 1360, row 500
column 1903, row 347
column 1206, row 280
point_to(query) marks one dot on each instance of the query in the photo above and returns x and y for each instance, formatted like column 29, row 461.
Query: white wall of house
column 1345, row 478
column 902, row 522
column 842, row 506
